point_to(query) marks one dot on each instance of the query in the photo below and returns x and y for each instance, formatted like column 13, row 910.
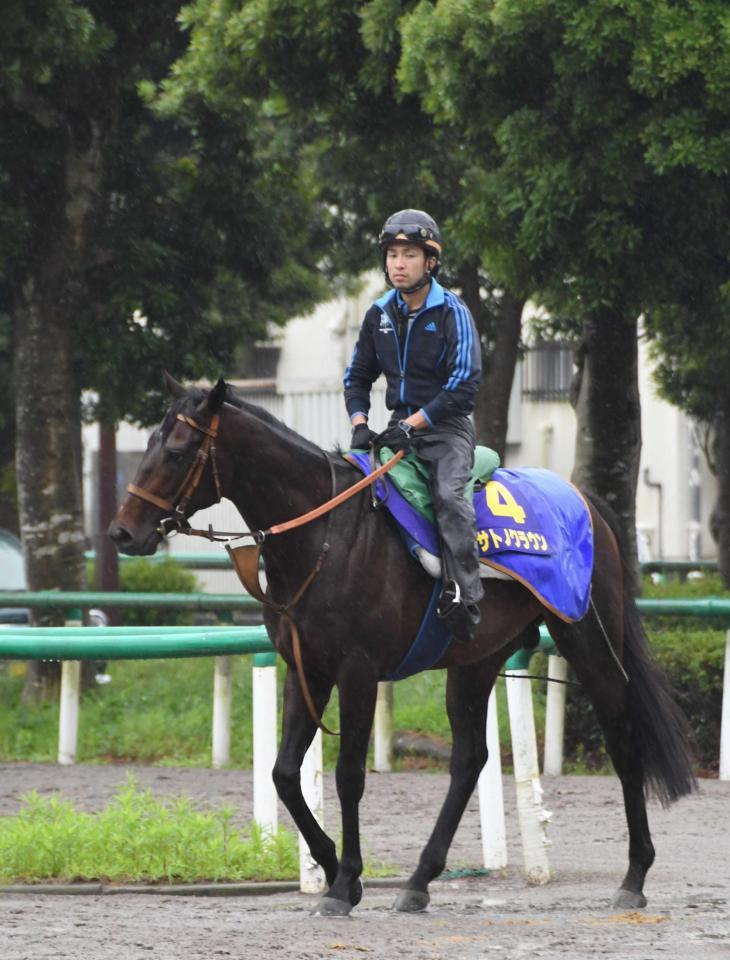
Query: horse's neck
column 275, row 475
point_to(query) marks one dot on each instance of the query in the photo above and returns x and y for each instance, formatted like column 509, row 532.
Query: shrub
column 159, row 576
column 142, row 575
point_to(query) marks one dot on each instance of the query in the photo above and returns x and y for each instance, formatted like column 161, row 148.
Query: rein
column 245, row 558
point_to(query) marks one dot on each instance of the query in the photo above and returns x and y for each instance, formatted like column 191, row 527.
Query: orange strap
column 245, row 561
column 340, row 498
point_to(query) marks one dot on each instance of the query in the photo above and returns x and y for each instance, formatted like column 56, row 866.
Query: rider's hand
column 396, row 437
column 362, row 436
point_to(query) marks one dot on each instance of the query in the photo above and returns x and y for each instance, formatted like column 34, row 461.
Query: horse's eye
column 175, row 455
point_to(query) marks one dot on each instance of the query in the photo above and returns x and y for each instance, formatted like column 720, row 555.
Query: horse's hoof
column 330, row 907
column 411, row 901
column 356, row 892
column 629, row 899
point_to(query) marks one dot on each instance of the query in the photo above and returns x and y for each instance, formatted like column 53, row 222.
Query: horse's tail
column 660, row 729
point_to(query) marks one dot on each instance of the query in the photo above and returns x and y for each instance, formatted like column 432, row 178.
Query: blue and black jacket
column 435, row 367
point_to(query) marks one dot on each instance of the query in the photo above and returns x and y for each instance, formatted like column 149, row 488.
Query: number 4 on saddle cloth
column 532, row 526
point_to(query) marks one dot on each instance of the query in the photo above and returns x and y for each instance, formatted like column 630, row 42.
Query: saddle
column 532, row 526
column 410, row 476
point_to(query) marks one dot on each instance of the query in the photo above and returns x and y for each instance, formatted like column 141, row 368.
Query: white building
column 676, row 490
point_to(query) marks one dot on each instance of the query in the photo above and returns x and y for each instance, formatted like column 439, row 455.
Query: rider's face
column 406, row 264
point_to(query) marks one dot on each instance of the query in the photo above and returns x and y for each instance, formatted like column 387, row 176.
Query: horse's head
column 178, row 473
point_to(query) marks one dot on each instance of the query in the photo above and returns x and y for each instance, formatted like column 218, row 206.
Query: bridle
column 178, row 503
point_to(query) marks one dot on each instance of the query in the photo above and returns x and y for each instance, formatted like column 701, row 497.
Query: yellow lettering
column 501, row 502
column 483, row 540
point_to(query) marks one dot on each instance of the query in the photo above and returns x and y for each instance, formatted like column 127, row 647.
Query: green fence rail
column 199, row 561
column 85, row 599
column 124, row 643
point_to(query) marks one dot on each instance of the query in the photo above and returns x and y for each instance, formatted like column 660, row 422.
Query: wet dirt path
column 469, row 919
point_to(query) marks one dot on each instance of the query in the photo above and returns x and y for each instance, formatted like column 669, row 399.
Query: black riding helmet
column 415, row 227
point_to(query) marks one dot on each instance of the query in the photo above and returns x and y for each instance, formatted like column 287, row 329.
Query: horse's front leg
column 298, row 729
column 358, row 687
column 467, row 694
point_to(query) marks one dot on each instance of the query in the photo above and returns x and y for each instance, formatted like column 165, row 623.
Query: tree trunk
column 608, row 411
column 720, row 518
column 48, row 457
column 491, row 414
column 46, row 301
column 107, row 557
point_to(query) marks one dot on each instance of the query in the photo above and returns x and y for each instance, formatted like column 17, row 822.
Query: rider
column 423, row 339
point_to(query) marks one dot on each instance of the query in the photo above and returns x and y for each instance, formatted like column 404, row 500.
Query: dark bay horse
column 360, row 613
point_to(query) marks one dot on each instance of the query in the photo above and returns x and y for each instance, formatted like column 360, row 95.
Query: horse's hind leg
column 585, row 647
column 467, row 695
column 298, row 729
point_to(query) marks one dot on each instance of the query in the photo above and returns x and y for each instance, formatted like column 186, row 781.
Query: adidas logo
column 431, row 327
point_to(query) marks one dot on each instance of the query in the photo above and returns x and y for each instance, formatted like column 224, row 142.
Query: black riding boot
column 461, row 617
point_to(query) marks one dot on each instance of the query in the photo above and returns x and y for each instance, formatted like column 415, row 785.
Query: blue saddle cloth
column 531, row 524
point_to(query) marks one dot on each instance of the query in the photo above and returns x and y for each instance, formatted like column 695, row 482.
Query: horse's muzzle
column 127, row 543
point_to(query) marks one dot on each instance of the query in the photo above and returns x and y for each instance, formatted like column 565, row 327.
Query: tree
column 566, row 101
column 329, row 77
column 130, row 239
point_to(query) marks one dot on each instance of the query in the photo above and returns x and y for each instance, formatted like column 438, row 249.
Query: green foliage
column 166, row 576
column 177, row 232
column 142, row 575
column 152, row 711
column 138, row 837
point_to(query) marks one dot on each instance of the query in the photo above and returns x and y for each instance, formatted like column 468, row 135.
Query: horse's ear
column 175, row 389
column 217, row 396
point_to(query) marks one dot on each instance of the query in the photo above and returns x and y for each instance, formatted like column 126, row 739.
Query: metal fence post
column 68, row 706
column 491, row 796
column 383, row 731
column 552, row 764
column 532, row 816
column 311, row 875
column 264, row 740
column 222, row 696
column 725, row 722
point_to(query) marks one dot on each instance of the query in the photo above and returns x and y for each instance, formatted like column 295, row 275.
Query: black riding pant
column 448, row 450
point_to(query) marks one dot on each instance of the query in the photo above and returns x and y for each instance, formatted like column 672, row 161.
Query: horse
column 357, row 597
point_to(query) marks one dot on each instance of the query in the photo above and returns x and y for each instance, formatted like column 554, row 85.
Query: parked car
column 12, row 575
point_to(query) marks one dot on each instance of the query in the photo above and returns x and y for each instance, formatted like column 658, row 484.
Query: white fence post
column 222, row 695
column 552, row 764
column 69, row 696
column 383, row 729
column 265, row 800
column 311, row 875
column 68, row 719
column 725, row 722
column 533, row 818
column 491, row 797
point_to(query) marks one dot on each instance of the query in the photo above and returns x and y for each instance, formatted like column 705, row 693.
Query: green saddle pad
column 410, row 476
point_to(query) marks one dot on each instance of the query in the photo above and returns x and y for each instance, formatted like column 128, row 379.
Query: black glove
column 362, row 436
column 396, row 437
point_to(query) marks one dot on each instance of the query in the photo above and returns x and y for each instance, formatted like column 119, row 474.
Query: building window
column 547, row 371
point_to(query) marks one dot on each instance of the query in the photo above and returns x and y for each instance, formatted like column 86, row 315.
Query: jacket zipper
column 402, row 360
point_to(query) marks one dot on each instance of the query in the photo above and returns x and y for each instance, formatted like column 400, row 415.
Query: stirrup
column 449, row 599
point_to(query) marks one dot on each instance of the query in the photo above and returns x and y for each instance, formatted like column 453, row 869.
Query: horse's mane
column 193, row 397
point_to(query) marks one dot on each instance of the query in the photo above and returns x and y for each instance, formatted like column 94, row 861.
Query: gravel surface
column 469, row 919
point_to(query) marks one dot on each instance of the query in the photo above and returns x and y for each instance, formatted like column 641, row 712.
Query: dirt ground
column 469, row 919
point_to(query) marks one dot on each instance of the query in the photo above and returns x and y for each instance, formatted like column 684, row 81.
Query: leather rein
column 245, row 558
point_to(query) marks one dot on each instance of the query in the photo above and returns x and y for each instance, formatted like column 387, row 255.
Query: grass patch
column 160, row 712
column 138, row 837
